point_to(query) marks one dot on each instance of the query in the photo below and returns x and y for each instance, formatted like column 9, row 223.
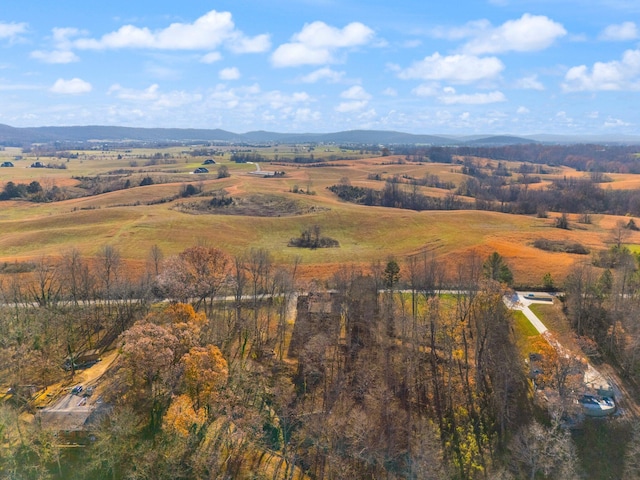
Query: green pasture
column 525, row 333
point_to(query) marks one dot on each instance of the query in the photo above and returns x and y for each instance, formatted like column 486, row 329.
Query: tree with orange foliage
column 182, row 418
column 205, row 372
column 183, row 322
column 558, row 369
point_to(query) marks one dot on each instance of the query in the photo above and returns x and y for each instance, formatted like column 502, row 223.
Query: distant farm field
column 136, row 218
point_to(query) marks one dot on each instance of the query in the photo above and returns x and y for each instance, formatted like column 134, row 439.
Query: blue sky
column 466, row 67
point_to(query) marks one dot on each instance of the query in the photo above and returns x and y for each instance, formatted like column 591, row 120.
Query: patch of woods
column 383, row 375
column 563, row 246
column 570, row 195
column 32, row 191
column 495, row 187
column 87, row 186
column 17, row 267
column 312, row 238
column 393, row 195
column 602, row 304
column 258, row 205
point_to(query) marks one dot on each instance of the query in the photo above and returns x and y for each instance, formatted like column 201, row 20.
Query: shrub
column 146, row 181
column 560, row 246
column 311, row 238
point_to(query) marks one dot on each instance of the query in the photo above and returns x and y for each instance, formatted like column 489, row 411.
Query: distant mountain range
column 95, row 133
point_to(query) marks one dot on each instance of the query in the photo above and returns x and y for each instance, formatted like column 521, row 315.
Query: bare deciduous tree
column 547, row 451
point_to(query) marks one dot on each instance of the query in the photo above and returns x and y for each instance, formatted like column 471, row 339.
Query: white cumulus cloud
column 530, row 83
column 12, row 30
column 357, row 99
column 324, row 73
column 71, row 87
column 211, row 57
column 356, row 93
column 154, row 97
column 150, row 93
column 209, row 31
column 55, row 56
column 426, row 90
column 615, row 122
column 346, row 107
column 620, row 32
column 307, row 115
column 242, row 44
column 453, row 68
column 278, row 100
column 62, row 37
column 231, row 73
column 450, row 97
column 526, row 34
column 621, row 74
column 317, row 43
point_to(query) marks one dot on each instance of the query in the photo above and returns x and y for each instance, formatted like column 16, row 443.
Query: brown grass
column 365, row 234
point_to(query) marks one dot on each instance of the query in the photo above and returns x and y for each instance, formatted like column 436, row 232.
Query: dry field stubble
column 125, row 220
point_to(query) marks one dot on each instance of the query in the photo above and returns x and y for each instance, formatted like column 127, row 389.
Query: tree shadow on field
column 601, row 447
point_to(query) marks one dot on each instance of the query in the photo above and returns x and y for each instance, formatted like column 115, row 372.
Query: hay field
column 126, row 220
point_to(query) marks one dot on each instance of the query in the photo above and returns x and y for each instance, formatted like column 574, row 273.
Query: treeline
column 97, row 185
column 571, row 195
column 603, row 305
column 492, row 192
column 245, row 157
column 582, row 157
column 393, row 195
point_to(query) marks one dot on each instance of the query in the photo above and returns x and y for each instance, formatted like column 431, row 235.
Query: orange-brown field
column 126, row 220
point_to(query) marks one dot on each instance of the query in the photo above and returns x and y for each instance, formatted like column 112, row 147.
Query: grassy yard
column 555, row 320
column 526, row 334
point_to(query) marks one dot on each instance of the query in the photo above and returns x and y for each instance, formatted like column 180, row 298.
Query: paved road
column 521, row 302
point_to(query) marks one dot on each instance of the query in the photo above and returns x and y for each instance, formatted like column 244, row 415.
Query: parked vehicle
column 596, row 406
